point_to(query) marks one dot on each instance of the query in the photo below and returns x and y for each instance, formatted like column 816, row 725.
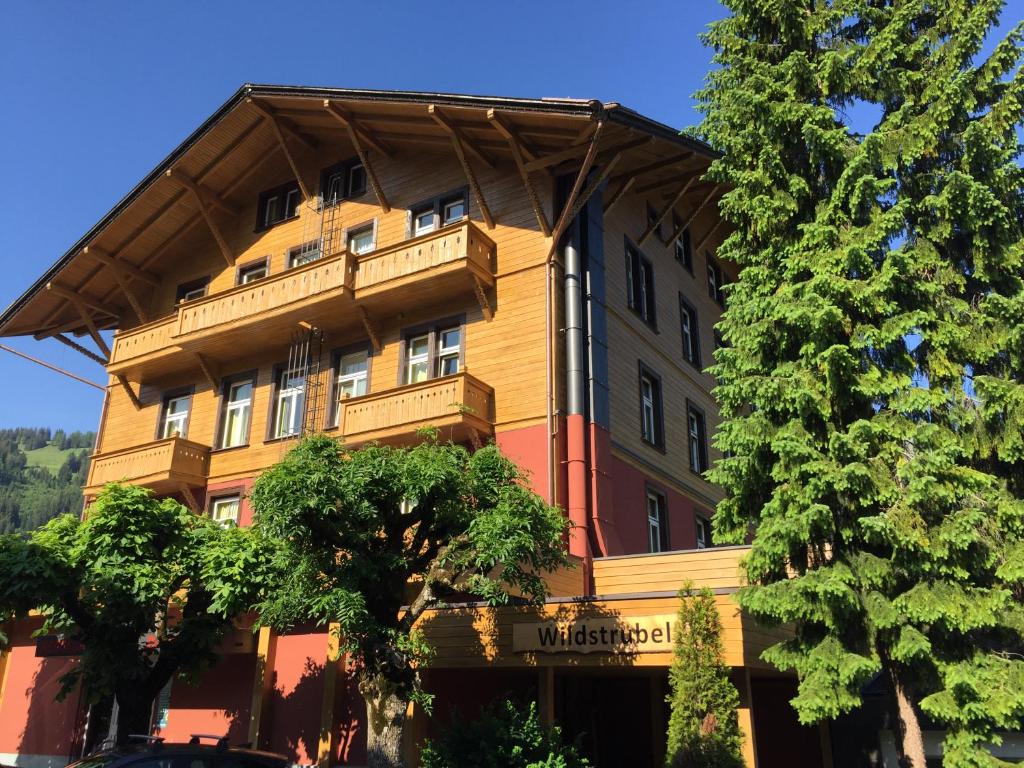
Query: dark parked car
column 155, row 753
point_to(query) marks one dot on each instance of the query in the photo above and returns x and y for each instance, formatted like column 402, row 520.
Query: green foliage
column 871, row 384
column 506, row 735
column 351, row 550
column 703, row 728
column 40, row 478
column 136, row 565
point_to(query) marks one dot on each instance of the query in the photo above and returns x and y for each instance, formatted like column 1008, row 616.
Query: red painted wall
column 218, row 704
column 527, row 447
column 349, row 723
column 226, row 488
column 297, row 696
column 630, row 517
column 32, row 722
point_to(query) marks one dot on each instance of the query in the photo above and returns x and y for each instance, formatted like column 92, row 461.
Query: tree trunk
column 134, row 715
column 385, row 721
column 911, row 741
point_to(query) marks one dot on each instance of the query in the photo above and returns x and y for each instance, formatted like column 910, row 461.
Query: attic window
column 278, row 204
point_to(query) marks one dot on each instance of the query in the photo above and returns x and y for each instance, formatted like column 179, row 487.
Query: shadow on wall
column 294, row 716
column 216, row 703
column 50, row 728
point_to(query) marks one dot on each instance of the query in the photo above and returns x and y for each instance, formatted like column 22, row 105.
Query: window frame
column 254, row 264
column 641, row 293
column 297, row 249
column 222, row 408
column 683, row 245
column 660, row 520
column 348, row 232
column 227, row 494
column 702, row 522
column 688, row 314
column 435, row 205
column 702, row 438
column 658, row 407
column 432, row 331
column 345, row 168
column 190, row 286
column 165, row 399
column 284, row 190
column 337, row 355
column 277, row 373
column 715, row 279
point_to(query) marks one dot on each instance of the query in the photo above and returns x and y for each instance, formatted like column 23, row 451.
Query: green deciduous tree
column 365, row 532
column 703, row 727
column 136, row 566
column 872, row 386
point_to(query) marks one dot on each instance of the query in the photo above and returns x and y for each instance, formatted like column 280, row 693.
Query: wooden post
column 745, row 715
column 546, row 694
column 332, row 662
column 262, row 687
column 5, row 657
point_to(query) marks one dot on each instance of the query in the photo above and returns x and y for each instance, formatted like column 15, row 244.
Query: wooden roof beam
column 660, row 216
column 133, row 299
column 516, row 148
column 570, row 202
column 593, row 186
column 123, row 381
column 474, row 185
column 81, row 304
column 455, row 134
column 696, row 212
column 704, row 240
column 284, row 125
column 619, row 194
column 205, row 209
column 582, row 149
column 76, row 297
column 657, row 165
column 279, row 131
column 364, row 156
column 353, row 125
column 135, row 273
column 208, row 196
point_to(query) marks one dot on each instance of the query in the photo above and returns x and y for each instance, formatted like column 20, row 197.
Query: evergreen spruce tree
column 703, row 730
column 872, row 386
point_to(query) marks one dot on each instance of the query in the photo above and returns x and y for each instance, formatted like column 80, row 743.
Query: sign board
column 605, row 634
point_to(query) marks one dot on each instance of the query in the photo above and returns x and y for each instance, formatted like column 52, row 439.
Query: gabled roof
column 158, row 214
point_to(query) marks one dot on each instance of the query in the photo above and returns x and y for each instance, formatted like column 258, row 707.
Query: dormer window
column 278, row 204
column 343, row 181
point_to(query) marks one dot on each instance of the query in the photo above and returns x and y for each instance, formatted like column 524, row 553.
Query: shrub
column 506, row 735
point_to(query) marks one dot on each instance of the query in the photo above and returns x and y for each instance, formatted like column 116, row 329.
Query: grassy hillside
column 49, row 457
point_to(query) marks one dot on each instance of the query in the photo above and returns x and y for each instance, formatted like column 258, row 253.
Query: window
column 439, row 212
column 343, row 181
column 715, row 280
column 696, row 434
column 640, row 285
column 278, row 204
column 289, row 402
column 174, row 421
column 684, row 250
column 433, row 353
column 361, row 239
column 690, row 332
column 193, row 289
column 236, row 412
column 703, row 532
column 303, row 254
column 225, row 510
column 657, row 522
column 250, row 273
column 652, row 216
column 651, row 425
column 350, row 380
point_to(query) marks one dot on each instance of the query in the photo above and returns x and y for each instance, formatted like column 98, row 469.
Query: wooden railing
column 245, row 301
column 448, row 245
column 715, row 568
column 172, row 461
column 452, row 400
column 144, row 339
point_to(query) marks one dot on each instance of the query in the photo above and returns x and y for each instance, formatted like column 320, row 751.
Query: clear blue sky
column 96, row 94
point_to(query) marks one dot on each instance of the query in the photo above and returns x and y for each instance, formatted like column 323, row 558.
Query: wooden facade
column 461, row 205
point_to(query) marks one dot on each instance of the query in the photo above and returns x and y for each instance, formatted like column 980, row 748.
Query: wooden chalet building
column 538, row 272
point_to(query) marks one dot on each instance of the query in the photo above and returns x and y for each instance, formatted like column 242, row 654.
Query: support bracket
column 371, row 331
column 123, row 381
column 481, row 297
column 460, row 152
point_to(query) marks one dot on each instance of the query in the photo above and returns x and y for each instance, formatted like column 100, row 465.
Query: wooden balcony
column 331, row 293
column 166, row 466
column 461, row 407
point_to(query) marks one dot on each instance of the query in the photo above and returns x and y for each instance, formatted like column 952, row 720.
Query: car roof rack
column 222, row 741
column 156, row 741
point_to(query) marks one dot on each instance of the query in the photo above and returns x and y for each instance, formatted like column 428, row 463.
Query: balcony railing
column 459, row 406
column 328, row 292
column 164, row 465
column 715, row 568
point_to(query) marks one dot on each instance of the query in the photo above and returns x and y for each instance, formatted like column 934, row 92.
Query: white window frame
column 703, row 526
column 696, row 428
column 171, row 418
column 648, row 409
column 225, row 501
column 366, row 229
column 412, row 360
column 244, row 406
column 447, row 204
column 294, row 395
column 342, row 380
column 303, row 254
column 447, row 353
column 418, row 230
column 245, row 274
column 654, row 521
column 690, row 329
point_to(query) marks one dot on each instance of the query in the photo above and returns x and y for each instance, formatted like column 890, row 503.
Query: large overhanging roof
column 91, row 284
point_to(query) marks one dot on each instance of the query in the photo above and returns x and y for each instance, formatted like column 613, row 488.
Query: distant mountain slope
column 41, row 475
